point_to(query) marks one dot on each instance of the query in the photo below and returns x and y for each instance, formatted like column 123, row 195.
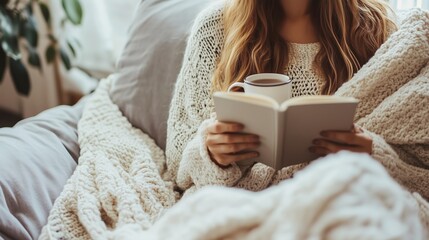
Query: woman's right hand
column 227, row 145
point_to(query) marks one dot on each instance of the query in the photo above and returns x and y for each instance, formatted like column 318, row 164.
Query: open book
column 286, row 130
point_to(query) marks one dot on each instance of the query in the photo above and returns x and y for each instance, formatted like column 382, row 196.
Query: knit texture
column 118, row 178
column 121, row 186
column 343, row 196
column 306, row 80
column 392, row 88
column 192, row 107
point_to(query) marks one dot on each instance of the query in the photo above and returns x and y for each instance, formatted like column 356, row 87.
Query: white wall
column 405, row 4
column 102, row 34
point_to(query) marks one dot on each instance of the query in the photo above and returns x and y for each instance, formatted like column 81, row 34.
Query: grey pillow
column 37, row 156
column 151, row 61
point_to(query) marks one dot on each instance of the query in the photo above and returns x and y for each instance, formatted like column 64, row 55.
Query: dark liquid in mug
column 267, row 82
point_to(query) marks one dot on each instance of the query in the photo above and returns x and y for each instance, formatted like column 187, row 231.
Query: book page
column 303, row 123
column 316, row 99
column 259, row 119
column 256, row 99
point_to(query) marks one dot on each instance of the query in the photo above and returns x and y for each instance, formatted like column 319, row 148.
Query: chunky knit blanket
column 118, row 190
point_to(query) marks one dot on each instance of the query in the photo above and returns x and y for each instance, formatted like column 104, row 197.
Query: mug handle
column 236, row 84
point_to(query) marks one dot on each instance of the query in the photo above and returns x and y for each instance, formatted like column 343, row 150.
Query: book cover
column 286, row 130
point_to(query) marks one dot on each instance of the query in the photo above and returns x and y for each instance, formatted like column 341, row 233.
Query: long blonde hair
column 350, row 31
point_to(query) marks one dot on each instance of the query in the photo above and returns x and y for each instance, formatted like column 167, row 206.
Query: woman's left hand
column 334, row 141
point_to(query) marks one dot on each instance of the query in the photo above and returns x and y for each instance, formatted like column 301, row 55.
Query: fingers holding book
column 355, row 140
column 226, row 144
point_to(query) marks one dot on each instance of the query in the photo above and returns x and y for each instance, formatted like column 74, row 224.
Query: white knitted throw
column 118, row 190
column 344, row 196
column 117, row 180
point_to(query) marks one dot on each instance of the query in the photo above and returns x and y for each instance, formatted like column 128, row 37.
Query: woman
column 320, row 44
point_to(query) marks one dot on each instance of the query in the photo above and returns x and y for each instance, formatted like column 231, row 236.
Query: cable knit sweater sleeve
column 188, row 161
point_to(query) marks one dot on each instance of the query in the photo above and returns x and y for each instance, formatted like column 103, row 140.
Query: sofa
column 40, row 153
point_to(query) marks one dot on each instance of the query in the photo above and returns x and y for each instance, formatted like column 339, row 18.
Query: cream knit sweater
column 405, row 154
column 121, row 188
column 192, row 109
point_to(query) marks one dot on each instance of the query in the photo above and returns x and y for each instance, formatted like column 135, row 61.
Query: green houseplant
column 19, row 31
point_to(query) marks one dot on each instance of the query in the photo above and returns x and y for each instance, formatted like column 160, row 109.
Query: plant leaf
column 65, row 58
column 73, row 10
column 78, row 42
column 34, row 58
column 20, row 77
column 50, row 54
column 29, row 31
column 3, row 59
column 9, row 27
column 71, row 48
column 29, row 8
column 46, row 13
column 6, row 25
column 10, row 46
column 15, row 17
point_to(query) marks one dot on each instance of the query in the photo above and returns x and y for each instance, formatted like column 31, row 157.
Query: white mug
column 274, row 85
